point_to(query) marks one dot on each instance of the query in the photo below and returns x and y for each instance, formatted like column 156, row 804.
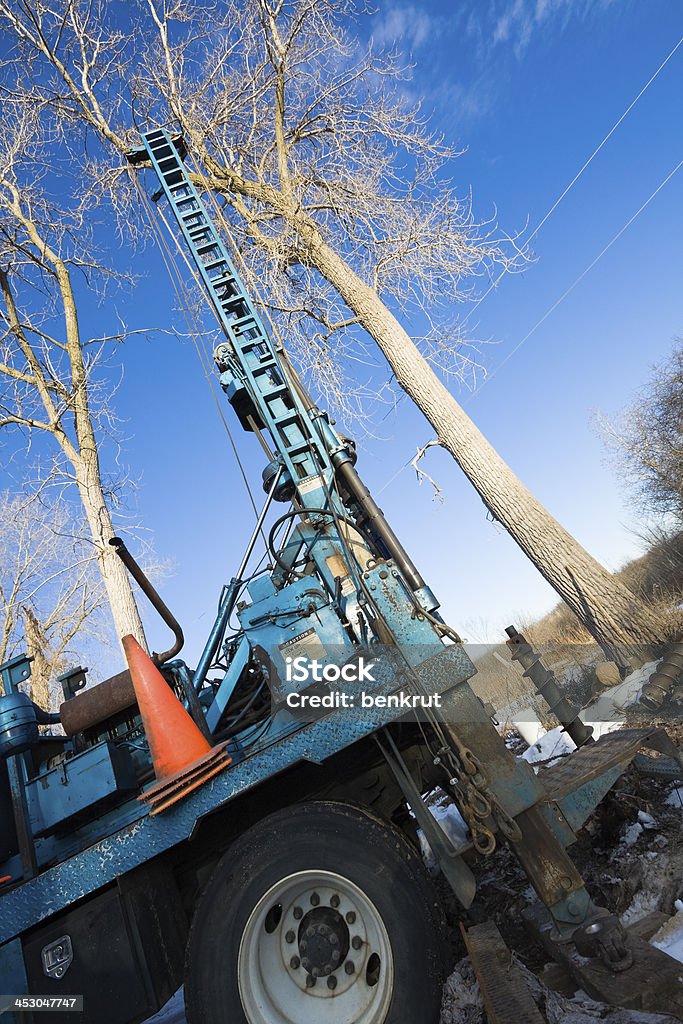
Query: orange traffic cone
column 181, row 756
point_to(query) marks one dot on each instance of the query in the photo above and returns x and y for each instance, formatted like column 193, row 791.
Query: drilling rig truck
column 248, row 827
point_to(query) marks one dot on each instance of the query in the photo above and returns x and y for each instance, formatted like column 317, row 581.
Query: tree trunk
column 43, row 666
column 86, row 462
column 612, row 614
column 81, row 451
column 117, row 582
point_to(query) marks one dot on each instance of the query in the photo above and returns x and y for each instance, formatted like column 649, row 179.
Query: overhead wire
column 494, row 284
column 185, row 301
column 186, row 304
column 541, row 223
column 197, row 337
column 554, row 306
column 579, row 173
column 576, row 281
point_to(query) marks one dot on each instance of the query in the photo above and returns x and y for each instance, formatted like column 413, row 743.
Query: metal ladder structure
column 252, row 367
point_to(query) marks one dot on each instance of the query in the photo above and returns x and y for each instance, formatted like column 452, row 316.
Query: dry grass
column 656, row 577
column 567, row 647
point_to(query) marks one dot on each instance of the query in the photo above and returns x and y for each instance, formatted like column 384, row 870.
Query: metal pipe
column 193, row 703
column 154, row 598
column 44, row 717
column 259, row 435
column 349, row 478
column 228, row 600
column 259, row 523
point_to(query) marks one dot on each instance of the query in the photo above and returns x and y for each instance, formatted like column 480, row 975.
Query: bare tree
column 47, row 384
column 334, row 189
column 51, row 594
column 647, row 439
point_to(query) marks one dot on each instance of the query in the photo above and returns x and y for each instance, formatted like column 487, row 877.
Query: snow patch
column 610, row 705
column 675, row 797
column 632, row 833
column 528, row 725
column 550, row 745
column 669, row 938
column 462, row 1002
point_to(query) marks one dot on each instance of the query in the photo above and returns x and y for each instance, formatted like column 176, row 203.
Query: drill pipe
column 664, row 679
column 546, row 686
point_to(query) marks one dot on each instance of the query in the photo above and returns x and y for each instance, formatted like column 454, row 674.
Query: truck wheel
column 319, row 914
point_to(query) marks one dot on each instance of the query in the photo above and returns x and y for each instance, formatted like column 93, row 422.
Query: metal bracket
column 455, row 871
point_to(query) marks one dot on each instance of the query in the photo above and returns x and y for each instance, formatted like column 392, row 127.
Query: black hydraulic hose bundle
column 292, row 513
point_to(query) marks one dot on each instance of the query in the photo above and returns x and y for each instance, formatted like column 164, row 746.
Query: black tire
column 328, row 837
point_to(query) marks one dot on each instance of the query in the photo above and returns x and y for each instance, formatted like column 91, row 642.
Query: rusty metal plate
column 594, row 759
column 506, row 996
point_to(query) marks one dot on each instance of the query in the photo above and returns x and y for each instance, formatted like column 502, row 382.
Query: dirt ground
column 631, row 856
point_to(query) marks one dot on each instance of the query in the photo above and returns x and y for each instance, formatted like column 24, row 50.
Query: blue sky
column 529, row 89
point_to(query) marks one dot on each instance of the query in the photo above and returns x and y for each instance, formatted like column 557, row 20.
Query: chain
column 470, row 783
column 473, row 803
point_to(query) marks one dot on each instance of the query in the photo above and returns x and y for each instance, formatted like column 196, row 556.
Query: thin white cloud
column 403, row 25
column 517, row 22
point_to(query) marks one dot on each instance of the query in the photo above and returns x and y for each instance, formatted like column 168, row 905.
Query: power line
column 575, row 282
column 579, row 173
column 557, row 302
column 190, row 319
column 549, row 213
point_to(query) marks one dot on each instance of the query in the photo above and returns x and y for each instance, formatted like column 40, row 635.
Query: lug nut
column 356, row 942
column 350, row 917
column 349, row 967
column 315, row 899
column 332, row 982
column 298, row 913
column 289, row 937
column 295, row 963
column 334, row 902
column 336, row 956
column 310, row 981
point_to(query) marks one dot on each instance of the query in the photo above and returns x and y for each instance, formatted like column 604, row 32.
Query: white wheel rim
column 315, row 925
